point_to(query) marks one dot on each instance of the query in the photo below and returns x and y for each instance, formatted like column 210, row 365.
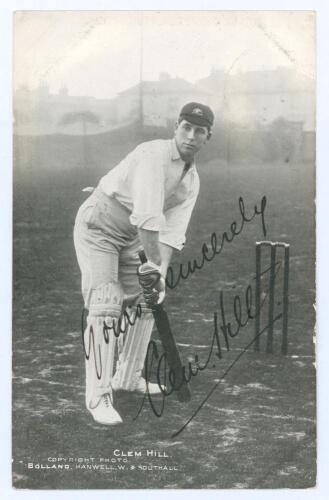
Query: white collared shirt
column 149, row 183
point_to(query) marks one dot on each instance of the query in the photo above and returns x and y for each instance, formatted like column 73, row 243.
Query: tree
column 82, row 117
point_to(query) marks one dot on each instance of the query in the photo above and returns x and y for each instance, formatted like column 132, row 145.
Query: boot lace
column 107, row 399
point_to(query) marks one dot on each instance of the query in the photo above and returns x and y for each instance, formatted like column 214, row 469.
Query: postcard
column 163, row 250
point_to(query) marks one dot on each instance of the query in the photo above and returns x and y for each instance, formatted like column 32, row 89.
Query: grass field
column 257, row 430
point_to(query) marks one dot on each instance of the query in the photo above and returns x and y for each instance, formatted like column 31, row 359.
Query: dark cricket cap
column 197, row 113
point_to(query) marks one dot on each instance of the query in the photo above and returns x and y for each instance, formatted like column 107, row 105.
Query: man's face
column 190, row 138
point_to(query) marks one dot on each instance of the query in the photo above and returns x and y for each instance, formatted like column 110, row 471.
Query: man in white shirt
column 146, row 201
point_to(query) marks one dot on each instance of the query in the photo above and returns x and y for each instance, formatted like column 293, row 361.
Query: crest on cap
column 197, row 111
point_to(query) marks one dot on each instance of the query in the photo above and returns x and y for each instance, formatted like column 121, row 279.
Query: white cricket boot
column 104, row 412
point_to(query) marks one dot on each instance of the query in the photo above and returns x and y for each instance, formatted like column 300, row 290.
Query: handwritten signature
column 166, row 377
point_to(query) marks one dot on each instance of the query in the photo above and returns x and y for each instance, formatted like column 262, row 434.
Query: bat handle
column 142, row 256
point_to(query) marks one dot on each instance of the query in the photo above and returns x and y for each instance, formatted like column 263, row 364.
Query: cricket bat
column 169, row 346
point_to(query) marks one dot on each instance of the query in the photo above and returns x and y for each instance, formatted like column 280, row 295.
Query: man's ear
column 209, row 135
column 176, row 126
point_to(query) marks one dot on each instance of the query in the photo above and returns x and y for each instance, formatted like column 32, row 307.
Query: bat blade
column 170, row 348
column 172, row 354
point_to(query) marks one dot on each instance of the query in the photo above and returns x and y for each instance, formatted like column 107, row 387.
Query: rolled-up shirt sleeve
column 146, row 182
column 177, row 220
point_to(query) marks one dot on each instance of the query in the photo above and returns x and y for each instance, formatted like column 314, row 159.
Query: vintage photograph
column 163, row 250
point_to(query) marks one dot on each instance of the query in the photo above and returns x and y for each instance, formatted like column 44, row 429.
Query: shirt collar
column 174, row 151
column 175, row 154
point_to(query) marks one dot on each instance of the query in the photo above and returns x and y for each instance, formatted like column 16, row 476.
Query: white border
column 6, row 10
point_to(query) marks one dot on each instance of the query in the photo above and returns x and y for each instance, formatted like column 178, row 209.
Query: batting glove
column 152, row 283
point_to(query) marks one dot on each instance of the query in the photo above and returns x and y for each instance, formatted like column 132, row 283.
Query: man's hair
column 181, row 118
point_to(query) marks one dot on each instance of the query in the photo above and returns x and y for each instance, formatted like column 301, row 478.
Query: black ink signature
column 208, row 254
column 166, row 378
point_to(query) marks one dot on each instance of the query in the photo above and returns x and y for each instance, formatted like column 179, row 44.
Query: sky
column 98, row 53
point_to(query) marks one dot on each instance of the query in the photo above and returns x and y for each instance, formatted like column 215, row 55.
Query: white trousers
column 107, row 247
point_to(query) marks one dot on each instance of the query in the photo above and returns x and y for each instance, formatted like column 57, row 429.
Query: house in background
column 159, row 101
column 215, row 84
column 253, row 99
column 257, row 98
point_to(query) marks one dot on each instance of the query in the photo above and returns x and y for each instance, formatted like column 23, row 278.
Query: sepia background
column 90, row 86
